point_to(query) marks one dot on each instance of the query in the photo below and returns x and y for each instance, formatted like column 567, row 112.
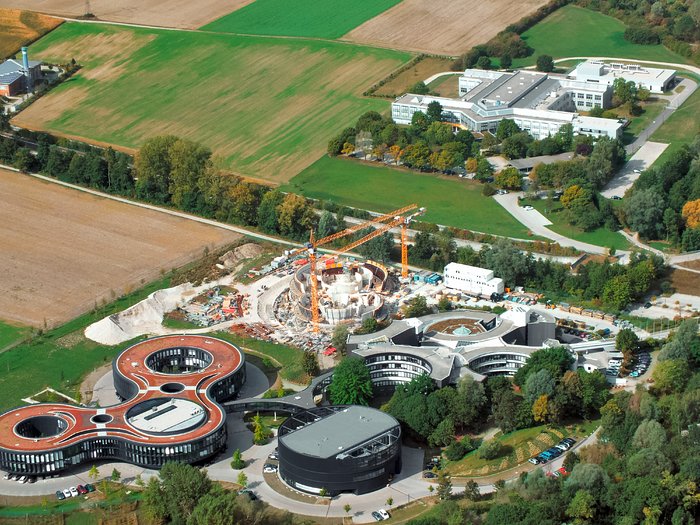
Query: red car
column 81, row 489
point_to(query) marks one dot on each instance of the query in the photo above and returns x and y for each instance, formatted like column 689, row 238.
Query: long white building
column 538, row 103
column 472, row 279
column 596, row 73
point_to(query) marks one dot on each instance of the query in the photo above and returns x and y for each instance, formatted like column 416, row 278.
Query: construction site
column 297, row 298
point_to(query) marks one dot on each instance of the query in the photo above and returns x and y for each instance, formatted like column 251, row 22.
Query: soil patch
column 445, row 27
column 165, row 13
column 685, row 282
column 65, row 251
column 693, row 265
column 88, row 384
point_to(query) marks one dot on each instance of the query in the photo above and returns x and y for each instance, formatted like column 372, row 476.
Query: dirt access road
column 183, row 14
column 444, row 27
column 62, row 250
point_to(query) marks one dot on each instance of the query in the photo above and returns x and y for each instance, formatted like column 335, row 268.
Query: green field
column 265, row 106
column 574, row 31
column 682, row 126
column 449, row 200
column 312, row 18
column 599, row 237
column 11, row 333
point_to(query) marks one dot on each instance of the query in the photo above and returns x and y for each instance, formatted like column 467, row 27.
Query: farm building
column 538, row 103
column 472, row 279
column 18, row 77
column 596, row 72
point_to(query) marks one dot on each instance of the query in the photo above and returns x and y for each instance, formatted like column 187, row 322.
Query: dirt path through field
column 64, row 250
column 186, row 14
column 448, row 27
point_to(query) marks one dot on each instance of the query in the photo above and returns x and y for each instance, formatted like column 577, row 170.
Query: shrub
column 459, row 449
column 642, row 35
column 490, row 449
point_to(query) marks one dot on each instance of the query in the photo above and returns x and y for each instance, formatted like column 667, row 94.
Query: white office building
column 472, row 279
column 538, row 103
column 595, row 72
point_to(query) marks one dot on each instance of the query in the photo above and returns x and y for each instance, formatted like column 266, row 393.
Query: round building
column 171, row 388
column 339, row 449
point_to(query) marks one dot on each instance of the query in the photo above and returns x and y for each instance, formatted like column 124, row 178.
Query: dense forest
column 643, row 469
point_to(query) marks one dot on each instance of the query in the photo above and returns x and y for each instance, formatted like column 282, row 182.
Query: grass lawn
column 521, row 444
column 600, row 237
column 326, row 19
column 574, row 31
column 681, row 127
column 11, row 333
column 265, row 106
column 449, row 200
column 637, row 124
column 288, row 357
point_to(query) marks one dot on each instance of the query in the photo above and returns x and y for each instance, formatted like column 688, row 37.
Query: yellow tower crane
column 386, row 222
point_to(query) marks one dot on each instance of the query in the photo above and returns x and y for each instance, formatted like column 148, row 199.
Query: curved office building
column 171, row 389
column 339, row 449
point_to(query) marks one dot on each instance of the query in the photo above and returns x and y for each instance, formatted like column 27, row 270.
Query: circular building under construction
column 348, row 290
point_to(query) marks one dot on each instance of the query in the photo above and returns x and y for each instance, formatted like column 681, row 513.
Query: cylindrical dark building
column 339, row 449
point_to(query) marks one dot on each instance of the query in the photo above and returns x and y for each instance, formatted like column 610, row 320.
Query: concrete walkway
column 537, row 223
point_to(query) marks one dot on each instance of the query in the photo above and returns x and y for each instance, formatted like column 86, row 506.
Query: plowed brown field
column 187, row 14
column 448, row 27
column 63, row 250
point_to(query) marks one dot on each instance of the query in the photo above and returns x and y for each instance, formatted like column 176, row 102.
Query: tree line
column 664, row 202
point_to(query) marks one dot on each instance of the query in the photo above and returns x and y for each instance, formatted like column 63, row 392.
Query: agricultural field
column 442, row 27
column 65, row 251
column 310, row 18
column 19, row 28
column 265, row 106
column 449, row 200
column 574, row 31
column 165, row 13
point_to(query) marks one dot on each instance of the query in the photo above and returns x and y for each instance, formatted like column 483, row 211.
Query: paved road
column 632, row 169
column 535, row 222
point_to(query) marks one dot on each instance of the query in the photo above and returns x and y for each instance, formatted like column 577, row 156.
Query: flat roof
column 170, row 416
column 338, row 432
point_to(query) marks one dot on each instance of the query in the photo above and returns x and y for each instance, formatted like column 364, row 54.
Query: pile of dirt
column 247, row 251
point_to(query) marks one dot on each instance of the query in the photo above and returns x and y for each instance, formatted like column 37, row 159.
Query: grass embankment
column 555, row 212
column 449, row 200
column 680, row 128
column 574, row 31
column 519, row 446
column 326, row 19
column 266, row 106
column 19, row 28
column 11, row 333
column 638, row 124
column 60, row 358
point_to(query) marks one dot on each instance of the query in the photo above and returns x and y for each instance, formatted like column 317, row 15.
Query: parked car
column 563, row 472
column 59, row 495
column 528, row 208
column 429, row 475
column 556, row 452
column 534, row 461
column 377, row 516
column 22, row 479
column 67, row 493
column 89, row 487
column 273, row 456
column 269, row 468
column 570, row 441
column 31, row 479
column 82, row 490
column 73, row 491
column 247, row 492
column 543, row 459
column 384, row 514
